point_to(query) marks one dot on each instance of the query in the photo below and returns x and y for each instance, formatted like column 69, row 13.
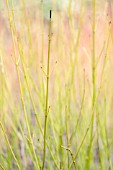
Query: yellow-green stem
column 6, row 138
column 93, row 80
column 47, row 90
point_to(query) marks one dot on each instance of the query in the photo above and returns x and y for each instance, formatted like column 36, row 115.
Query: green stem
column 93, row 80
column 6, row 138
column 47, row 92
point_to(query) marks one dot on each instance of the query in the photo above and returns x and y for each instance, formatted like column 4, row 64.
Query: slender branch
column 47, row 92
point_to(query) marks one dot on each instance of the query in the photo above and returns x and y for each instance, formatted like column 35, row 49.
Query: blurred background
column 24, row 29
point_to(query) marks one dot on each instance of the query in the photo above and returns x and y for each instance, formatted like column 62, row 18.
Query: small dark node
column 109, row 22
column 50, row 13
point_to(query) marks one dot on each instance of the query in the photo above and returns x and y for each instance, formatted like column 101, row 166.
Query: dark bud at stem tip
column 50, row 13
